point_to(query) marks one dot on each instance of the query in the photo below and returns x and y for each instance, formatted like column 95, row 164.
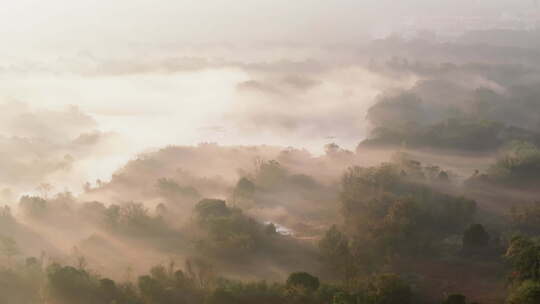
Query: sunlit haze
column 269, row 151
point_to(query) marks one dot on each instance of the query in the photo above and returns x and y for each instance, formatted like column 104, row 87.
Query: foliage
column 194, row 284
column 387, row 289
column 170, row 189
column 524, row 256
column 235, row 292
column 408, row 119
column 67, row 284
column 228, row 231
column 393, row 215
column 455, row 133
column 169, row 285
column 33, row 206
column 133, row 218
column 528, row 292
column 526, row 218
column 6, row 217
column 269, row 174
column 244, row 189
column 207, row 209
column 8, row 247
column 19, row 286
column 519, row 166
column 336, row 254
column 397, row 114
column 414, row 170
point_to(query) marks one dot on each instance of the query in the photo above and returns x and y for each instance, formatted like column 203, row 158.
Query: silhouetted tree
column 303, row 279
column 455, row 299
column 475, row 239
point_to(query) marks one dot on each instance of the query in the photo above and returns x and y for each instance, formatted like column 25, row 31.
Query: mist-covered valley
column 386, row 160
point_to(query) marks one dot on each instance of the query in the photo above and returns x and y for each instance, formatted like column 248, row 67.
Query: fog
column 238, row 152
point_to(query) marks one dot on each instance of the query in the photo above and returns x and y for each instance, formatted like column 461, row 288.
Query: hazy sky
column 85, row 23
column 181, row 72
